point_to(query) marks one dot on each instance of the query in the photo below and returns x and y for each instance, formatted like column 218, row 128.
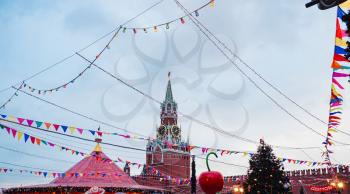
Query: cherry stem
column 207, row 159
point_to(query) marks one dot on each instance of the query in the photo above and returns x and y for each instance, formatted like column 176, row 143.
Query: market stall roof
column 97, row 169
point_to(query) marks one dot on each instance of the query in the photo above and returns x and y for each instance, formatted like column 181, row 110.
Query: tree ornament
column 167, row 26
column 155, row 29
column 145, row 30
column 211, row 182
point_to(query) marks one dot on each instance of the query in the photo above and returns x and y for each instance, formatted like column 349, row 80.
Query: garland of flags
column 72, row 130
column 340, row 73
column 37, row 141
column 51, row 174
column 16, row 134
column 155, row 28
column 281, row 159
column 48, row 174
column 64, row 128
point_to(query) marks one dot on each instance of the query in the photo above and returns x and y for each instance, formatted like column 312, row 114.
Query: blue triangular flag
column 339, row 50
column 4, row 116
column 26, row 136
column 45, row 174
column 64, row 128
column 340, row 13
column 92, row 132
column 333, row 113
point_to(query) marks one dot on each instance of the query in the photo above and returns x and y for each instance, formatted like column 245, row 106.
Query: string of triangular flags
column 50, row 174
column 181, row 19
column 282, row 159
column 19, row 135
column 340, row 75
column 64, row 128
column 167, row 144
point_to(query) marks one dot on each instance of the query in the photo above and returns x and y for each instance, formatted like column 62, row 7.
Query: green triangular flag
column 38, row 123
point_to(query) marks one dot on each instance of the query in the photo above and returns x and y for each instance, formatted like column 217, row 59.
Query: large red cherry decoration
column 211, row 182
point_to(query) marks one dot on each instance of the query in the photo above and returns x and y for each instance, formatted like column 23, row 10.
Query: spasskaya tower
column 168, row 153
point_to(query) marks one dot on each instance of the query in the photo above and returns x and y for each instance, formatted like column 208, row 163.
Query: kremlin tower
column 168, row 153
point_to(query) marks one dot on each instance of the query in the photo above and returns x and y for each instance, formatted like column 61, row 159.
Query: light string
column 67, row 83
column 44, row 91
column 181, row 19
column 11, row 97
column 86, row 47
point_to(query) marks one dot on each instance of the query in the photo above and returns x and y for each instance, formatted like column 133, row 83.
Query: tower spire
column 98, row 148
column 169, row 92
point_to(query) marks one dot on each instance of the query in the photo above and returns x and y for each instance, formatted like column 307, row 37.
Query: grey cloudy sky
column 288, row 44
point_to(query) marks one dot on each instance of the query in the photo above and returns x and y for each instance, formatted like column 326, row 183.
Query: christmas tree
column 265, row 174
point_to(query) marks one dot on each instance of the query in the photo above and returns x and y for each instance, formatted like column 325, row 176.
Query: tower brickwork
column 168, row 153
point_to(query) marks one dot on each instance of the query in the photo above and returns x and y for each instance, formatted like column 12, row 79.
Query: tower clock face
column 175, row 131
column 161, row 131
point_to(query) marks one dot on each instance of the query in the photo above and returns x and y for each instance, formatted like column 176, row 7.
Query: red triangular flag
column 14, row 132
column 32, row 139
column 47, row 125
column 56, row 126
column 29, row 122
column 340, row 58
column 20, row 120
column 338, row 32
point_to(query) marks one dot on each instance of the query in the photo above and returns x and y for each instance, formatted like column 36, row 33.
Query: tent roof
column 110, row 175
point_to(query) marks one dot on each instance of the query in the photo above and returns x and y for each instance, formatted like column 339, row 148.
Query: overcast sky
column 291, row 46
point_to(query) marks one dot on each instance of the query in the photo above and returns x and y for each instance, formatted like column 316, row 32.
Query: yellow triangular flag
column 345, row 5
column 19, row 135
column 340, row 42
column 12, row 118
column 245, row 154
column 332, row 130
column 72, row 129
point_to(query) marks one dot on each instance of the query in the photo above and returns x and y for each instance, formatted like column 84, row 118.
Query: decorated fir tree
column 265, row 174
